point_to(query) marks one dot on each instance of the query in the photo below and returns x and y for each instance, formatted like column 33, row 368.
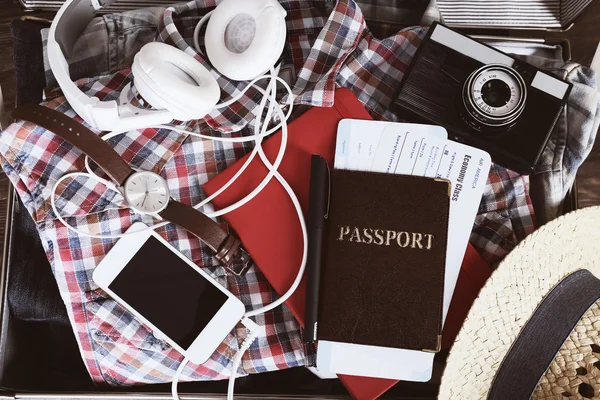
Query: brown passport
column 382, row 279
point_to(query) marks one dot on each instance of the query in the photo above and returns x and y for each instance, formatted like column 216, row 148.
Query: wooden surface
column 584, row 37
column 8, row 11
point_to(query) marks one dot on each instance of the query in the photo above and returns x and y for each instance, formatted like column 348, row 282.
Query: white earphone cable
column 177, row 377
column 257, row 137
column 242, row 139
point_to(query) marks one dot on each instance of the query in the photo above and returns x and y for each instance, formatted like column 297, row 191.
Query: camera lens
column 495, row 93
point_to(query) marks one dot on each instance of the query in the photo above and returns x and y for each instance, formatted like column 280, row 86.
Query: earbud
column 245, row 38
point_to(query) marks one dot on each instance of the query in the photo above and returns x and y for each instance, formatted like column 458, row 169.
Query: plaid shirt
column 328, row 46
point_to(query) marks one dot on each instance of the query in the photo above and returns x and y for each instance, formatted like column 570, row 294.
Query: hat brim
column 512, row 294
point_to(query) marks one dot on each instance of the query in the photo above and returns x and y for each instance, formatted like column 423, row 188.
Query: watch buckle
column 240, row 258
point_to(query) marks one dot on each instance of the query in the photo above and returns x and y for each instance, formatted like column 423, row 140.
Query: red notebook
column 268, row 225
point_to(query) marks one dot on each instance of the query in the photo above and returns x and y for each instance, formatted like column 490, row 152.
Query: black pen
column 317, row 213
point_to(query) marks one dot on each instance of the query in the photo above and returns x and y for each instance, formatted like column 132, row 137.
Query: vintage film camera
column 483, row 97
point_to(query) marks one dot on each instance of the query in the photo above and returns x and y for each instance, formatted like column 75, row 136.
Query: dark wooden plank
column 8, row 11
column 4, row 188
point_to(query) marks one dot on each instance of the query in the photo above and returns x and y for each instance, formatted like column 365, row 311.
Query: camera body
column 483, row 97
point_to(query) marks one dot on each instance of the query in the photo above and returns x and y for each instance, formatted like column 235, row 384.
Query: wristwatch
column 145, row 192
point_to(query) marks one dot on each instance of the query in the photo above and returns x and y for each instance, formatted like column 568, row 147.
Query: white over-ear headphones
column 243, row 40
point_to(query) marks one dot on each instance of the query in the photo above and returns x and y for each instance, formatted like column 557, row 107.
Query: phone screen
column 168, row 292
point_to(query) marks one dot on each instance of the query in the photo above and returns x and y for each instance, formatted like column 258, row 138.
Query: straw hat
column 510, row 346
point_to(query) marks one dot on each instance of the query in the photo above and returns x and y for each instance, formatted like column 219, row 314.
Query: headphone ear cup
column 170, row 79
column 245, row 38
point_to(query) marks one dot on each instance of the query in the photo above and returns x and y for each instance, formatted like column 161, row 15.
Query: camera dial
column 494, row 95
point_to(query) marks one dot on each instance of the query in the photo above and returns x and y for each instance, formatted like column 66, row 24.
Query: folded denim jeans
column 571, row 141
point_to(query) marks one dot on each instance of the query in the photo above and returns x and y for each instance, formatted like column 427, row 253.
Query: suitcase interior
column 40, row 358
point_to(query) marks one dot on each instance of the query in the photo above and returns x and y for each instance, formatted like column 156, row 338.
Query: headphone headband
column 177, row 86
column 67, row 26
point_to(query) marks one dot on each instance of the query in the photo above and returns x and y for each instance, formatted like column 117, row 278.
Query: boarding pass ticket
column 423, row 150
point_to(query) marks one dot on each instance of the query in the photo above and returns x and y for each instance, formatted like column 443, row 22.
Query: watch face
column 146, row 192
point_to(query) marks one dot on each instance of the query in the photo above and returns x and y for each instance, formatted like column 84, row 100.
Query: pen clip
column 328, row 190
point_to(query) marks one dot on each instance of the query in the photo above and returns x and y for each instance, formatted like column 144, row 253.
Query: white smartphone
column 177, row 300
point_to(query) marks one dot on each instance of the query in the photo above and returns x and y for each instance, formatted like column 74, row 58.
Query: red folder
column 268, row 225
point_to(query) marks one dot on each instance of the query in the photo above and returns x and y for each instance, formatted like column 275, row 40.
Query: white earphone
column 243, row 40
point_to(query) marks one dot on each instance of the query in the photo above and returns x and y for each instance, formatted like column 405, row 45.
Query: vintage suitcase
column 41, row 360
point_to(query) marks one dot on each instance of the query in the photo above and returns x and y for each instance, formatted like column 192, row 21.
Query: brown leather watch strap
column 79, row 136
column 224, row 244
